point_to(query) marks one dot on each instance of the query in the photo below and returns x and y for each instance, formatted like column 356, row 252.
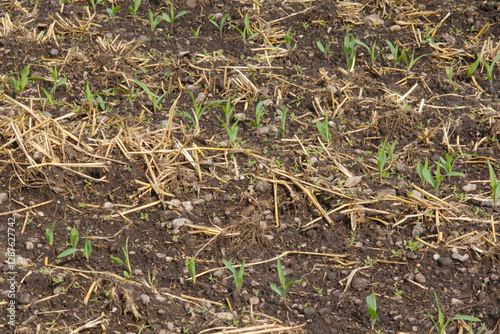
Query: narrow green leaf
column 68, row 252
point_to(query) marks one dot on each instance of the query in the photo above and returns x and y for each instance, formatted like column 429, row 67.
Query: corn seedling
column 449, row 73
column 246, row 34
column 95, row 2
column 196, row 32
column 220, row 25
column 172, row 17
column 324, row 48
column 191, row 268
column 133, row 10
column 49, row 234
column 125, row 262
column 284, row 285
column 112, row 11
column 228, row 110
column 259, row 111
column 394, row 51
column 349, row 48
column 448, row 165
column 420, row 169
column 489, row 69
column 434, row 182
column 288, row 38
column 495, row 190
column 371, row 50
column 199, row 108
column 283, row 120
column 153, row 97
column 323, row 129
column 152, row 20
column 74, row 237
column 440, row 325
column 20, row 83
column 381, row 159
column 390, row 150
column 238, row 276
column 412, row 61
column 473, row 67
column 231, row 132
column 49, row 96
column 371, row 300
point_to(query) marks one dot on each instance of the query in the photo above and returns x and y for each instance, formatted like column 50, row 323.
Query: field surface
column 249, row 166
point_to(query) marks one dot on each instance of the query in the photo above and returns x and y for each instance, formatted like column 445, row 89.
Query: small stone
column 254, row 300
column 175, row 203
column 241, row 116
column 17, row 216
column 161, row 255
column 420, row 278
column 24, row 298
column 3, row 198
column 451, row 40
column 191, row 3
column 417, row 230
column 332, row 276
column 352, row 181
column 192, row 88
column 416, row 194
column 160, row 298
column 262, row 186
column 46, row 114
column 21, row 261
column 199, row 201
column 218, row 273
column 309, row 311
column 145, row 298
column 107, row 206
column 170, row 326
column 263, row 130
column 200, row 98
column 445, row 261
column 29, row 245
column 228, row 316
column 469, row 187
column 54, row 52
column 373, row 20
column 360, row 283
column 59, row 289
column 402, row 168
column 37, row 156
column 332, row 88
column 395, row 28
column 324, row 310
column 397, row 317
column 435, row 257
column 313, row 160
column 41, row 214
column 179, row 222
column 385, row 192
column 458, row 257
column 455, row 301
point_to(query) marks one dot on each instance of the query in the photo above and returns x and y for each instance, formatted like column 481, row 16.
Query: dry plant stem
column 25, row 209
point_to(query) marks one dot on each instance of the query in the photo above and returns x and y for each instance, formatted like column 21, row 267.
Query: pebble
column 21, row 261
column 199, row 201
column 395, row 28
column 24, row 298
column 3, row 197
column 160, row 298
column 458, row 257
column 41, row 214
column 254, row 300
column 416, row 194
column 445, row 261
column 188, row 206
column 191, row 3
column 469, row 187
column 37, row 156
column 161, row 255
column 420, row 278
column 179, row 222
column 175, row 202
column 264, row 130
column 59, row 289
column 417, row 231
column 352, row 181
column 401, row 167
column 398, row 317
column 313, row 160
column 262, row 186
column 54, row 52
column 386, row 192
column 360, row 283
column 192, row 88
column 324, row 310
column 225, row 316
column 145, row 298
column 46, row 114
column 107, row 206
column 373, row 20
column 309, row 311
column 241, row 116
column 455, row 301
column 17, row 216
column 435, row 257
column 218, row 273
column 29, row 245
column 200, row 98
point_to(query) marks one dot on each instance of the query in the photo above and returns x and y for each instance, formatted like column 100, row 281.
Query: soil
column 349, row 211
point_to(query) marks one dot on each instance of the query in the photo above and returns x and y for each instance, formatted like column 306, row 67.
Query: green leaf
column 68, row 252
column 280, row 274
column 74, row 237
column 277, row 290
column 465, row 317
column 473, row 67
column 372, row 306
column 320, row 46
column 117, row 260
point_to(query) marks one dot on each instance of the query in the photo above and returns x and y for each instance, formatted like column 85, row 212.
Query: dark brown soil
column 96, row 155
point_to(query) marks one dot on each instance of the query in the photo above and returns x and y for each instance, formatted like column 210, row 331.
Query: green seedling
column 74, row 237
column 381, row 159
column 152, row 20
column 324, row 48
column 125, row 262
column 449, row 73
column 390, row 150
column 172, row 17
column 231, row 132
column 440, row 325
column 112, row 11
column 228, row 110
column 259, row 112
column 284, row 285
column 133, row 10
column 394, row 51
column 95, row 2
column 371, row 300
column 196, row 32
column 283, row 120
column 448, row 165
column 153, row 97
column 371, row 50
column 323, row 129
column 420, row 170
column 20, row 83
column 238, row 276
column 191, row 268
column 49, row 96
column 412, row 61
column 49, row 234
column 199, row 108
column 288, row 38
column 434, row 182
column 489, row 69
column 220, row 25
column 495, row 190
column 473, row 67
column 349, row 48
column 246, row 34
